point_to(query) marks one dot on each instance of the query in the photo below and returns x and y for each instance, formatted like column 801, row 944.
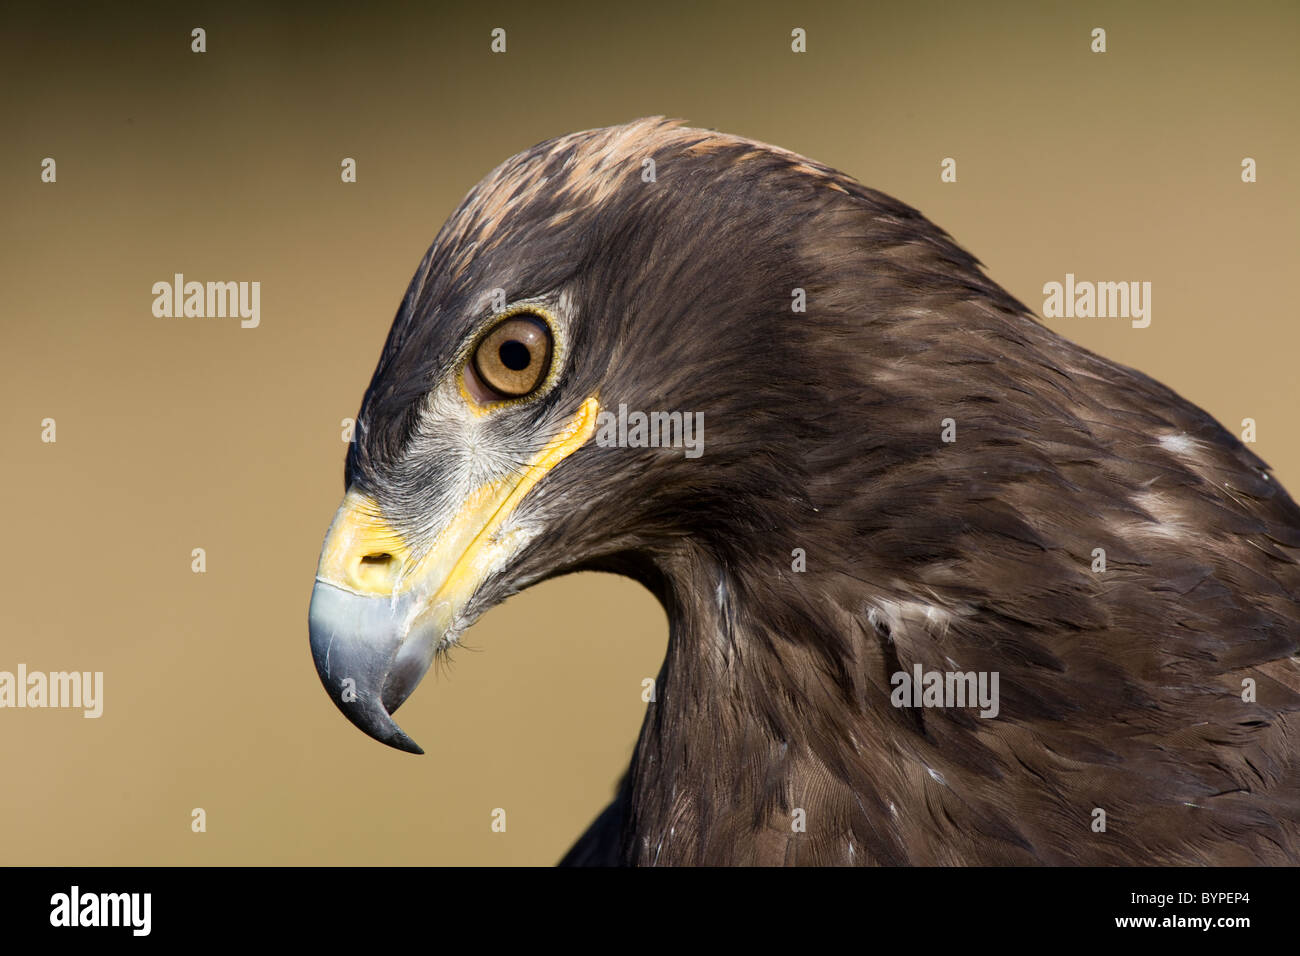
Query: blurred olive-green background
column 175, row 434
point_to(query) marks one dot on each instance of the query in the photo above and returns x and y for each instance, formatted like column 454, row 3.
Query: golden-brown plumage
column 1121, row 690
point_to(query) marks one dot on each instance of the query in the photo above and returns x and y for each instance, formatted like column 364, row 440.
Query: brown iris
column 514, row 357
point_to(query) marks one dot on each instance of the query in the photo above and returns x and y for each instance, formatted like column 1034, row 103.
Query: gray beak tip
column 358, row 656
column 405, row 743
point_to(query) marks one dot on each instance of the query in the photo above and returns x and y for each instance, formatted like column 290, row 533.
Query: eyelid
column 475, row 387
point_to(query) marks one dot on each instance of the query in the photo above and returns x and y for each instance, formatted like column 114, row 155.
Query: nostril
column 376, row 571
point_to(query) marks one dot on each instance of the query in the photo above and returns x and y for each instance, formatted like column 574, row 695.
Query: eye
column 514, row 357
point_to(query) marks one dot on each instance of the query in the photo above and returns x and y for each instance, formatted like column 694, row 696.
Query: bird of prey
column 911, row 476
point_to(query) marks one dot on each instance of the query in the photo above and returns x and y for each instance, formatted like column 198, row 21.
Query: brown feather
column 1120, row 690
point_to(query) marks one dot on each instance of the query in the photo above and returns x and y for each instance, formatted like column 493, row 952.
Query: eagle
column 907, row 478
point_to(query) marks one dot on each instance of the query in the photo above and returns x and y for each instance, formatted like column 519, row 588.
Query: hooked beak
column 379, row 614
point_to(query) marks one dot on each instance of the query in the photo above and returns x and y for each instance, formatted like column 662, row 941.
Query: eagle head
column 839, row 455
column 574, row 316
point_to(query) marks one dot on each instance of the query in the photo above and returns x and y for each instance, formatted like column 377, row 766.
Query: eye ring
column 513, row 360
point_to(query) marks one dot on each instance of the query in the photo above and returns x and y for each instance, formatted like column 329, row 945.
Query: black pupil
column 514, row 355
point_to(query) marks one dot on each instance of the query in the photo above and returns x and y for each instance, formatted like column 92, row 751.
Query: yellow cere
column 365, row 555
